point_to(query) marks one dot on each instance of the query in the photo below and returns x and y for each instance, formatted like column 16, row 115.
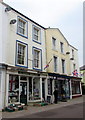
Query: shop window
column 30, row 88
column 49, row 87
column 13, row 89
column 75, row 87
column 34, row 89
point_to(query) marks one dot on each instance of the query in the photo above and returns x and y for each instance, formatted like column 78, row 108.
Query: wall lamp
column 7, row 9
column 71, row 58
column 67, row 53
column 13, row 21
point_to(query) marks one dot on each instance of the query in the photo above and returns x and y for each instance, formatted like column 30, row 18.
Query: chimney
column 1, row 1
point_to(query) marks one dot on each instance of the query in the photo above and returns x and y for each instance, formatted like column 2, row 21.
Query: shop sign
column 59, row 78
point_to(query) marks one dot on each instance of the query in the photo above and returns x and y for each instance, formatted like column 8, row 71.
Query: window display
column 75, row 87
column 49, row 86
column 36, row 89
column 35, row 85
column 13, row 89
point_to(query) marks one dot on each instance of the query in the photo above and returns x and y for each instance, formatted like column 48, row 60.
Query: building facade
column 23, row 58
column 34, row 60
column 63, row 62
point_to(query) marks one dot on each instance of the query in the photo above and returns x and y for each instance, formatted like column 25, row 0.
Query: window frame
column 25, row 65
column 56, row 64
column 40, row 58
column 39, row 34
column 54, row 46
column 63, row 70
column 62, row 47
column 26, row 27
column 73, row 53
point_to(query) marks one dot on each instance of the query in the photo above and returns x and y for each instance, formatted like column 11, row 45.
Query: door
column 23, row 92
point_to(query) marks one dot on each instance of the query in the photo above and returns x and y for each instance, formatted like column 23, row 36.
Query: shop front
column 62, row 82
column 25, row 88
column 76, row 87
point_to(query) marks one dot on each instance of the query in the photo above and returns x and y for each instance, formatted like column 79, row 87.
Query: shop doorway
column 23, row 92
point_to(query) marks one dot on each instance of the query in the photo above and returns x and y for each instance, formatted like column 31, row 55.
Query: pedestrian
column 55, row 95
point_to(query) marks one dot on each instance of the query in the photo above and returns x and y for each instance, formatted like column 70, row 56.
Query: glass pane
column 13, row 89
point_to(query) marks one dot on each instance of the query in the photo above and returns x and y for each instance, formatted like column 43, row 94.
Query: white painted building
column 22, row 61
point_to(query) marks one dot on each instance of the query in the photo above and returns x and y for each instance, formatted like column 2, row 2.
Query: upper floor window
column 74, row 66
column 36, row 34
column 36, row 58
column 63, row 66
column 54, row 43
column 21, row 54
column 72, row 53
column 22, row 27
column 55, row 64
column 61, row 47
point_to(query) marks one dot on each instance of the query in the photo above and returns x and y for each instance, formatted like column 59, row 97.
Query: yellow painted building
column 57, row 46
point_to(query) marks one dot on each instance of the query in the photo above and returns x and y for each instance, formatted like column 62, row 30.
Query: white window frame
column 25, row 53
column 54, row 46
column 39, row 59
column 37, row 35
column 62, row 47
column 55, row 68
column 23, row 27
column 62, row 65
column 73, row 53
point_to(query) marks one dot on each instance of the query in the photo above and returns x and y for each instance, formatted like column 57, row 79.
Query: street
column 71, row 111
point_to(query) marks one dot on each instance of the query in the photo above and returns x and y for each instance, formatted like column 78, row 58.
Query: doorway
column 23, row 92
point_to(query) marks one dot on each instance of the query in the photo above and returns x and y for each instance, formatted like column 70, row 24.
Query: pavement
column 36, row 109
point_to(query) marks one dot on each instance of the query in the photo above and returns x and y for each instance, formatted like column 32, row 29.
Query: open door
column 23, row 92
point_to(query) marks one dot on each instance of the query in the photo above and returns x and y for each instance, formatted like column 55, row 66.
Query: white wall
column 9, row 37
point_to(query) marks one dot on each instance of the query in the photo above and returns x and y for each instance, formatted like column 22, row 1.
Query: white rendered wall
column 10, row 36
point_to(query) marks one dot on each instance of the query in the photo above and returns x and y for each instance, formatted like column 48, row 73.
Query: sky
column 67, row 15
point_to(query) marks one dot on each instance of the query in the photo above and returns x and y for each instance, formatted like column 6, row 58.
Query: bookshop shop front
column 26, row 88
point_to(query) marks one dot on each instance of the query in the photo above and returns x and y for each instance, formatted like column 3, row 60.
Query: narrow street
column 71, row 111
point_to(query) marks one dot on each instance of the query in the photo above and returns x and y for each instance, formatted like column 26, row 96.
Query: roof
column 23, row 15
column 36, row 22
column 63, row 37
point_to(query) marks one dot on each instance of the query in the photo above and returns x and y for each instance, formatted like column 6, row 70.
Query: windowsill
column 20, row 65
column 35, row 68
column 62, row 53
column 55, row 50
column 37, row 41
column 22, row 35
